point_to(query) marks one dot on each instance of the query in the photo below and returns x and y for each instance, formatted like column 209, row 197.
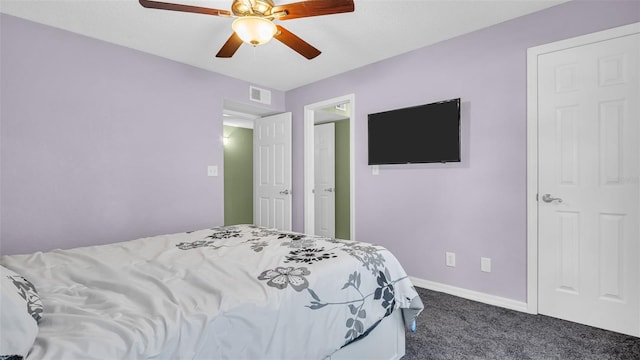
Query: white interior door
column 325, row 179
column 272, row 171
column 588, row 186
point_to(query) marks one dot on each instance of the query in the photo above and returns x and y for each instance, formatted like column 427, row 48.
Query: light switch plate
column 212, row 170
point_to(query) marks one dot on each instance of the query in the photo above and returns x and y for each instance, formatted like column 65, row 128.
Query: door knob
column 285, row 192
column 547, row 198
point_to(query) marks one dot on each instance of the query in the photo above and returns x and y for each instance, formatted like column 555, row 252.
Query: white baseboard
column 470, row 294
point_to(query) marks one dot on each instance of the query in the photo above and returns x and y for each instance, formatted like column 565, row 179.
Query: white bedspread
column 239, row 292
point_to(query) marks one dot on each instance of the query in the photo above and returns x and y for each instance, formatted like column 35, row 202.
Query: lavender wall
column 476, row 208
column 101, row 143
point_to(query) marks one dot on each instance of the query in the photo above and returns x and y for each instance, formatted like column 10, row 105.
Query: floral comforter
column 236, row 292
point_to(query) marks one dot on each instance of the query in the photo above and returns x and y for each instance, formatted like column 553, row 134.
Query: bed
column 235, row 292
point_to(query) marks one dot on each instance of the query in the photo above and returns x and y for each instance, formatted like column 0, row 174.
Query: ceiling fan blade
column 313, row 8
column 294, row 42
column 230, row 47
column 185, row 8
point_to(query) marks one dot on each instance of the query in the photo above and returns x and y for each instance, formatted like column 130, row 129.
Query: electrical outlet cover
column 450, row 259
column 485, row 264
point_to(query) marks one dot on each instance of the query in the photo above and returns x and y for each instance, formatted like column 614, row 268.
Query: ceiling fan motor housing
column 252, row 8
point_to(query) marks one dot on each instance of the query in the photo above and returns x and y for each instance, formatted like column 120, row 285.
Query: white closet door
column 272, row 171
column 325, row 179
column 589, row 189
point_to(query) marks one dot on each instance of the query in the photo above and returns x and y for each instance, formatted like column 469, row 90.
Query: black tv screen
column 420, row 134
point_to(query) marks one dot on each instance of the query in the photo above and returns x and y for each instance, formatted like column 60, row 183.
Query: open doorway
column 238, row 124
column 326, row 201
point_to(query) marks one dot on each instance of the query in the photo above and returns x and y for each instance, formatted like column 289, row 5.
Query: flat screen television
column 427, row 133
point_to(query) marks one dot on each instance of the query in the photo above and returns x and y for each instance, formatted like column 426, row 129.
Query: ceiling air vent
column 260, row 95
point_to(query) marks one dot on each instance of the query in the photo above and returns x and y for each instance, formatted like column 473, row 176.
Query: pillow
column 20, row 311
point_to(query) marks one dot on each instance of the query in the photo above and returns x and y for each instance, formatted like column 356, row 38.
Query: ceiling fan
column 254, row 21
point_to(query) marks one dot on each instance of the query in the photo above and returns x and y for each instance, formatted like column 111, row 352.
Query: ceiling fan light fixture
column 254, row 30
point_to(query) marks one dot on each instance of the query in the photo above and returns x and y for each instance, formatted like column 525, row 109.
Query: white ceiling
column 378, row 29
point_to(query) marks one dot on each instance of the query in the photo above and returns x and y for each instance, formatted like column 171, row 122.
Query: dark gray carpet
column 455, row 328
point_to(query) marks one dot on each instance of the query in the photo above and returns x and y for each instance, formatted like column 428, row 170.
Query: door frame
column 309, row 122
column 532, row 143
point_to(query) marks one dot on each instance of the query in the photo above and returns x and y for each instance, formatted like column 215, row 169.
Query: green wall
column 238, row 175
